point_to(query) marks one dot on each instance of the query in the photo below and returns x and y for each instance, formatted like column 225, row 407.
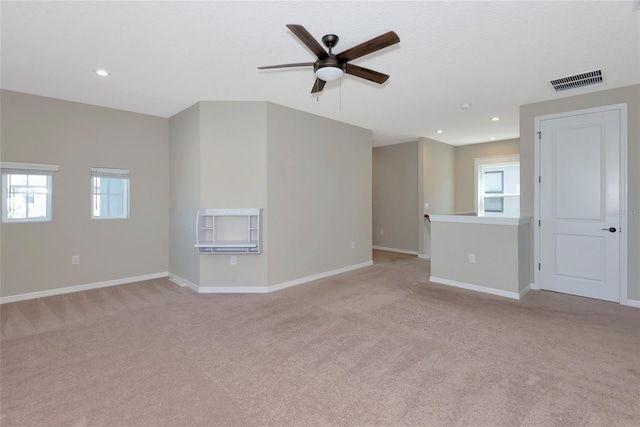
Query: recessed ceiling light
column 101, row 72
column 439, row 131
column 465, row 105
column 495, row 119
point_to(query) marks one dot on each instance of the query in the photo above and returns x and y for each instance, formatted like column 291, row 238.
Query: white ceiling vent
column 591, row 78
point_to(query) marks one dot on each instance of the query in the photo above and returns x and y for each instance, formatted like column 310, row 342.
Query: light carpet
column 378, row 346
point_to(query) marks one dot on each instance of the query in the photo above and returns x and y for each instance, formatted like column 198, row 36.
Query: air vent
column 579, row 80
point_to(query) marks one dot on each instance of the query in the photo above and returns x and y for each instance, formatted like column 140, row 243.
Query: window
column 498, row 186
column 110, row 193
column 26, row 192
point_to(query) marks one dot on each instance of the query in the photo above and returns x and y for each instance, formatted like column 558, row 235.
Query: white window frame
column 478, row 164
column 14, row 168
column 111, row 173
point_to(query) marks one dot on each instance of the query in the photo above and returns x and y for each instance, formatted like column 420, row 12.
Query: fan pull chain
column 341, row 78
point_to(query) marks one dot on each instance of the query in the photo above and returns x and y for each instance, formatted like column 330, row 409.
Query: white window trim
column 482, row 161
column 31, row 167
column 112, row 173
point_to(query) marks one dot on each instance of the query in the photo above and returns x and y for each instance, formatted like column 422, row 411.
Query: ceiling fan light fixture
column 329, row 73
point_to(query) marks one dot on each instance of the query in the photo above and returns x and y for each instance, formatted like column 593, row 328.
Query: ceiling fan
column 330, row 66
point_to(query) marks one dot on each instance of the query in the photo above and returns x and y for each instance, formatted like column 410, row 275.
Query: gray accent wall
column 37, row 256
column 319, row 194
column 629, row 95
column 395, row 198
column 405, row 176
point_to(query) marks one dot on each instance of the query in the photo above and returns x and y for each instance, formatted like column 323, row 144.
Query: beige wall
column 497, row 254
column 37, row 256
column 184, row 192
column 436, row 186
column 233, row 170
column 438, row 175
column 629, row 95
column 395, row 196
column 319, row 194
column 465, row 169
column 310, row 175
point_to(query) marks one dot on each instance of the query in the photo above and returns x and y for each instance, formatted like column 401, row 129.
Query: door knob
column 610, row 229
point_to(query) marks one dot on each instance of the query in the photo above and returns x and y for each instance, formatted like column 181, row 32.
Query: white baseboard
column 424, row 256
column 77, row 288
column 233, row 289
column 525, row 290
column 318, row 276
column 400, row 251
column 262, row 289
column 181, row 281
column 483, row 289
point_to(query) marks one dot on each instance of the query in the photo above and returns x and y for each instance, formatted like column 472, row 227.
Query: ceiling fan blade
column 318, row 86
column 366, row 73
column 298, row 64
column 308, row 40
column 377, row 43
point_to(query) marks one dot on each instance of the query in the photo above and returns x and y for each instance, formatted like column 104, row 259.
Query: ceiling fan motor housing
column 330, row 40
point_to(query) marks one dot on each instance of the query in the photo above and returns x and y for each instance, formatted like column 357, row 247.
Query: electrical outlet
column 472, row 258
column 233, row 260
column 381, row 231
column 426, row 206
column 75, row 259
column 353, row 245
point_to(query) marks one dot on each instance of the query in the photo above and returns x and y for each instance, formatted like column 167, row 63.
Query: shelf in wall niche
column 229, row 231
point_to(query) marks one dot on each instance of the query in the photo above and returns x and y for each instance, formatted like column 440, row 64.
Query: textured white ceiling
column 165, row 56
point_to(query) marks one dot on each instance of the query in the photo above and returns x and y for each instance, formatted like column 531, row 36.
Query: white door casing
column 581, row 195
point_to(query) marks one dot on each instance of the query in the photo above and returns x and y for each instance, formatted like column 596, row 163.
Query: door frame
column 623, row 208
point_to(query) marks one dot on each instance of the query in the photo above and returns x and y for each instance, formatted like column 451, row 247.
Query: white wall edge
column 401, row 251
column 633, row 303
column 181, row 281
column 468, row 219
column 78, row 288
column 469, row 286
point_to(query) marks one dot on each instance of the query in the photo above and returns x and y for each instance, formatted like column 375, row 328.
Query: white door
column 580, row 205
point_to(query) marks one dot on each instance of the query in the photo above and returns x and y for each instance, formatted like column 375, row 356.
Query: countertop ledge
column 472, row 219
